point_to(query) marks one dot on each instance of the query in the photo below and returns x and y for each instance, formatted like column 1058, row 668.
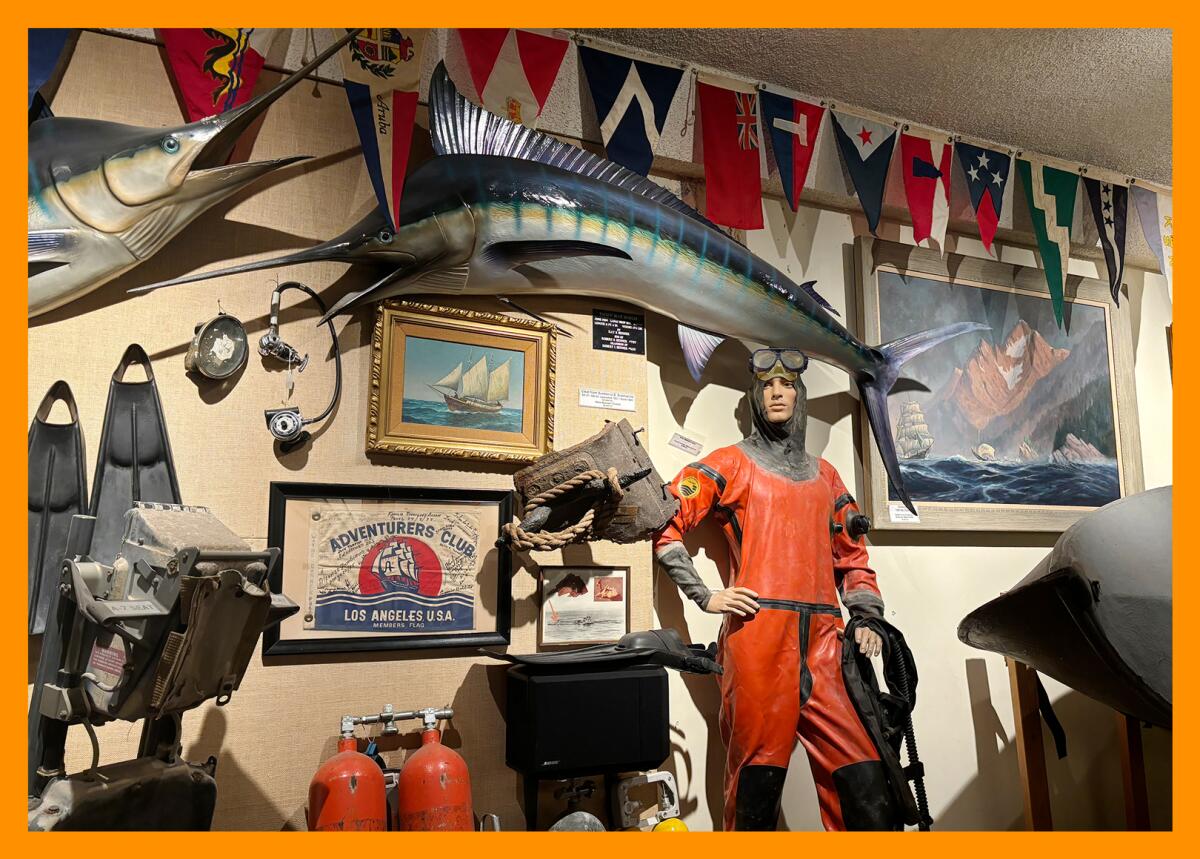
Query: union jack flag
column 747, row 128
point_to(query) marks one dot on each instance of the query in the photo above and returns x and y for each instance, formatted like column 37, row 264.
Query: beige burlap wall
column 284, row 721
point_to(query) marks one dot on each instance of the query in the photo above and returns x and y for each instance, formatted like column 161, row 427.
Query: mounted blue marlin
column 104, row 197
column 505, row 210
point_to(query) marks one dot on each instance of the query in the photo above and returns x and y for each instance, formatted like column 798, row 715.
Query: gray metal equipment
column 171, row 623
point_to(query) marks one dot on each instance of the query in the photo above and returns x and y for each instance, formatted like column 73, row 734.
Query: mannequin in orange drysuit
column 783, row 513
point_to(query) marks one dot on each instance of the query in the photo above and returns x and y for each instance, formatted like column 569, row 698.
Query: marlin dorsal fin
column 458, row 127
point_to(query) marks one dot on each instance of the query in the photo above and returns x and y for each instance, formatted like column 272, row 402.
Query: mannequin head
column 778, row 399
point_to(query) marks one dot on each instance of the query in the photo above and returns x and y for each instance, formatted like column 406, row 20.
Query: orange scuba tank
column 347, row 793
column 434, row 791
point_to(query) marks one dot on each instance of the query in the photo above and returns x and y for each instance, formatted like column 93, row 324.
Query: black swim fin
column 134, row 461
column 57, row 491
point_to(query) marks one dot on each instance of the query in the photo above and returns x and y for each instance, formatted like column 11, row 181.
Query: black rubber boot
column 866, row 799
column 759, row 790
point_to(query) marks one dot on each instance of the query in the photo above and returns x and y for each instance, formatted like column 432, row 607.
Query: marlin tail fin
column 874, row 390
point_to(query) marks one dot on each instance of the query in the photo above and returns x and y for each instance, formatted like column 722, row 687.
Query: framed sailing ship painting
column 460, row 383
column 1024, row 426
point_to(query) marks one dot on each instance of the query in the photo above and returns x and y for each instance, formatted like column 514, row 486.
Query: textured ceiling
column 1099, row 97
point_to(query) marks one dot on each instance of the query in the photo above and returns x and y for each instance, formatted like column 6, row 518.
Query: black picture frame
column 283, row 492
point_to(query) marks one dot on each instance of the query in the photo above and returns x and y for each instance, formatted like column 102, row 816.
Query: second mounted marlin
column 104, row 196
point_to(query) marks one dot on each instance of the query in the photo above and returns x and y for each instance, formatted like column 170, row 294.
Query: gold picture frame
column 492, row 378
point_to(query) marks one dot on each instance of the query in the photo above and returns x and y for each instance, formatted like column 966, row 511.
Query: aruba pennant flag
column 794, row 126
column 729, row 135
column 1110, row 205
column 381, row 69
column 632, row 98
column 216, row 68
column 513, row 70
column 1051, row 196
column 986, row 172
column 866, row 149
column 49, row 52
column 927, row 186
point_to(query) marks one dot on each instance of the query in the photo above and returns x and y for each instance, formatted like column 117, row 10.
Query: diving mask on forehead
column 787, row 364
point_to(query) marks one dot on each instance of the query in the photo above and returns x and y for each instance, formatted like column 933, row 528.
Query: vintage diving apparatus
column 170, row 623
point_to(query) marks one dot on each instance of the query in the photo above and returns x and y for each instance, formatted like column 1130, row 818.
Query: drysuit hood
column 779, row 447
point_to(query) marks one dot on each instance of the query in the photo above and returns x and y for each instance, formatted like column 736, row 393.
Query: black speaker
column 562, row 725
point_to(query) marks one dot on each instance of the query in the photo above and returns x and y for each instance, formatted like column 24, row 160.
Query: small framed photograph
column 460, row 383
column 389, row 568
column 583, row 605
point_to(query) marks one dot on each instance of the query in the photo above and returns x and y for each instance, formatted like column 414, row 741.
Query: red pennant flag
column 513, row 70
column 214, row 68
column 926, row 170
column 729, row 133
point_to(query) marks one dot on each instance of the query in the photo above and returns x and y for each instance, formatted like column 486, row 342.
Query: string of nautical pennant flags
column 513, row 71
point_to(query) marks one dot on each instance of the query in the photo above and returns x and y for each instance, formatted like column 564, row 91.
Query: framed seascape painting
column 460, row 383
column 389, row 567
column 583, row 605
column 1022, row 427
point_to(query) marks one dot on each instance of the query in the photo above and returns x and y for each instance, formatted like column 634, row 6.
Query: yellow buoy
column 673, row 824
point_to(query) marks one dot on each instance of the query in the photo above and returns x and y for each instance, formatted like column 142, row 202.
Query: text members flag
column 987, row 172
column 1155, row 213
column 632, row 98
column 794, row 126
column 926, row 170
column 381, row 69
column 729, row 134
column 866, row 149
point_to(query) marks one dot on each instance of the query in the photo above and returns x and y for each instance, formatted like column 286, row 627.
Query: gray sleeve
column 678, row 563
column 863, row 602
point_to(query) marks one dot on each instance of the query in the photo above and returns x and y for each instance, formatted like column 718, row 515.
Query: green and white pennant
column 1051, row 196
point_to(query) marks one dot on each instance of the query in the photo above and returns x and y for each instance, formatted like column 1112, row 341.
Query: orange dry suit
column 783, row 514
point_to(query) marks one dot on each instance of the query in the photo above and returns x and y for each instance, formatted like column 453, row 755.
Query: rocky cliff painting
column 1022, row 414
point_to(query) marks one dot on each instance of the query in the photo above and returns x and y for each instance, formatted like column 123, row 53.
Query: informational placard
column 690, row 446
column 593, row 398
column 392, row 570
column 614, row 331
column 899, row 513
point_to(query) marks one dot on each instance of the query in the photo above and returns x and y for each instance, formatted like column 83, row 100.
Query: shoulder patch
column 689, row 486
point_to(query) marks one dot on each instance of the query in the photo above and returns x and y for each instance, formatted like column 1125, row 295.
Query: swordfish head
column 370, row 241
column 104, row 196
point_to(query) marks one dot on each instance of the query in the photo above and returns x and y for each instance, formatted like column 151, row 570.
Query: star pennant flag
column 926, row 166
column 1051, row 196
column 513, row 70
column 215, row 68
column 381, row 69
column 794, row 126
column 49, row 53
column 1110, row 204
column 866, row 149
column 632, row 99
column 986, row 172
column 1155, row 213
column 729, row 133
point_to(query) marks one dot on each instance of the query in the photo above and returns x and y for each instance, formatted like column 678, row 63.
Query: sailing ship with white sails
column 475, row 390
column 912, row 433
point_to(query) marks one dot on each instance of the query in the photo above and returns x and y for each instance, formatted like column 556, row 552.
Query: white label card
column 899, row 513
column 690, row 446
column 597, row 399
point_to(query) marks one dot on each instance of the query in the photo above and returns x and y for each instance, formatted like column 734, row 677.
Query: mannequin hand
column 868, row 641
column 738, row 600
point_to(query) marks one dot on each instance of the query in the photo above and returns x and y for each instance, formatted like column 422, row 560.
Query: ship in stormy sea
column 1022, row 422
